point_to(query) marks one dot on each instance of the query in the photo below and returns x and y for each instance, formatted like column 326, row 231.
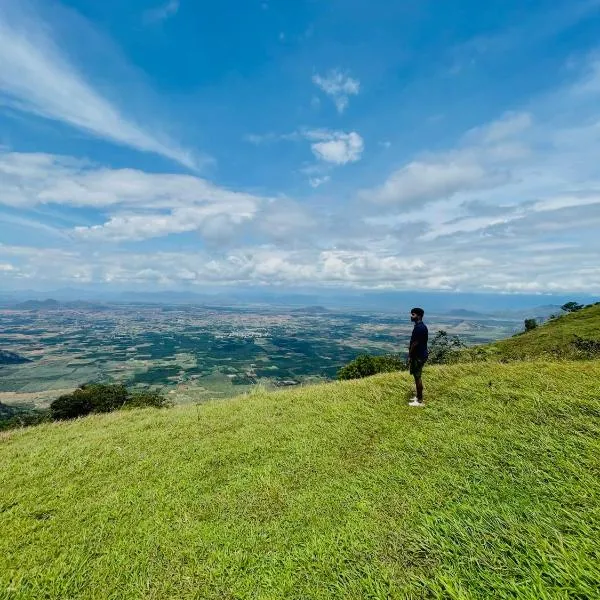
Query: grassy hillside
column 334, row 491
column 554, row 339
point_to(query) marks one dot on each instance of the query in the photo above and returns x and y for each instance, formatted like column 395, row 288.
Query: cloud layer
column 512, row 205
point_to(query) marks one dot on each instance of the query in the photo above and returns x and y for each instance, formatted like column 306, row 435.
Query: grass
column 332, row 491
column 552, row 340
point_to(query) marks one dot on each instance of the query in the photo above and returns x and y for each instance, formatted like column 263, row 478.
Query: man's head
column 416, row 315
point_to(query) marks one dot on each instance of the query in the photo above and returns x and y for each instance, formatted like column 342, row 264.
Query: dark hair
column 418, row 311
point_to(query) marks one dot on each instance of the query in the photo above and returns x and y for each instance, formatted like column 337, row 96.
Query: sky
column 439, row 145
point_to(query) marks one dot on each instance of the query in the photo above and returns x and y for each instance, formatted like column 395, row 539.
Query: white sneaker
column 416, row 402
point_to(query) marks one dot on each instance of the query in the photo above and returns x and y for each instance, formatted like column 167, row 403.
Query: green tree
column 571, row 307
column 443, row 347
column 530, row 324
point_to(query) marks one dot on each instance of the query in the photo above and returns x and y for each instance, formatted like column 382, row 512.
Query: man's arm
column 412, row 349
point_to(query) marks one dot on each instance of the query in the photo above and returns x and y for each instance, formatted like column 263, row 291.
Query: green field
column 332, row 491
column 204, row 352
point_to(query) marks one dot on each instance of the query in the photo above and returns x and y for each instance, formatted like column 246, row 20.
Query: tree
column 571, row 307
column 530, row 324
column 443, row 346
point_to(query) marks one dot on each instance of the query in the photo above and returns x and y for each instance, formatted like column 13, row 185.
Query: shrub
column 366, row 365
column 589, row 348
column 530, row 324
column 12, row 417
column 141, row 399
column 101, row 398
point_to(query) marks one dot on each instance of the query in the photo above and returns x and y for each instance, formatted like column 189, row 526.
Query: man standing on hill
column 417, row 353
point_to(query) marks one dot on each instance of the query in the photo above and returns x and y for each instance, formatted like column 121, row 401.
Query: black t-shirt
column 420, row 335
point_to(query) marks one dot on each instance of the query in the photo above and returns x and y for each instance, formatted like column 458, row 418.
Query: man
column 417, row 353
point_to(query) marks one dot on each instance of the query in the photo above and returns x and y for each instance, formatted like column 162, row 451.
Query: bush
column 366, row 365
column 530, row 324
column 589, row 348
column 12, row 417
column 102, row 398
column 143, row 399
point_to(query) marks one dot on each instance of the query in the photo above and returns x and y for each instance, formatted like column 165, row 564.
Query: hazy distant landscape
column 200, row 351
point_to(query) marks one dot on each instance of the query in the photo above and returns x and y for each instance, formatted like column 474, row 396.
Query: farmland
column 199, row 352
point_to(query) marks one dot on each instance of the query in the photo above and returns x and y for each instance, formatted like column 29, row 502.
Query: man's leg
column 419, row 386
column 417, row 370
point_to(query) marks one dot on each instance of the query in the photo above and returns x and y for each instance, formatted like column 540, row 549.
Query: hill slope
column 333, row 491
column 553, row 339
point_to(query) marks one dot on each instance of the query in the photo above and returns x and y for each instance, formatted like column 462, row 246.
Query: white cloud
column 285, row 220
column 479, row 162
column 144, row 205
column 258, row 139
column 336, row 147
column 330, row 147
column 508, row 126
column 141, row 205
column 211, row 220
column 420, row 182
column 33, row 179
column 316, row 182
column 568, row 201
column 36, row 77
column 339, row 86
column 162, row 13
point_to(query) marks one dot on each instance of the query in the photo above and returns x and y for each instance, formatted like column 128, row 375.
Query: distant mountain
column 536, row 312
column 82, row 304
column 51, row 304
column 462, row 312
column 11, row 358
column 311, row 310
column 512, row 306
column 38, row 304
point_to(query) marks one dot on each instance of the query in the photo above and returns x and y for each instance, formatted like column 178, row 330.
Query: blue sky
column 434, row 145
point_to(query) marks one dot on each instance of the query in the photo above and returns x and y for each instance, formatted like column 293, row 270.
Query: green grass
column 552, row 340
column 332, row 491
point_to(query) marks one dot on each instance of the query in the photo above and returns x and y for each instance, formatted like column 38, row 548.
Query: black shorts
column 416, row 367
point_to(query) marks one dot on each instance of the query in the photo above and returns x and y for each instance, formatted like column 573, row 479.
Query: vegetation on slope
column 334, row 491
column 102, row 398
column 564, row 337
column 366, row 365
column 89, row 398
